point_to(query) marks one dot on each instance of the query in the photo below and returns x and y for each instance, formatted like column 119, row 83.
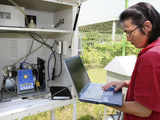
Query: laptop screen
column 77, row 72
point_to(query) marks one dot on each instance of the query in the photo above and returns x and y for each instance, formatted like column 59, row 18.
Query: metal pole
column 113, row 30
column 124, row 39
column 74, row 109
column 126, row 3
column 52, row 115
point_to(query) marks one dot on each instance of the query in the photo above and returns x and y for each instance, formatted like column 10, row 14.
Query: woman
column 141, row 23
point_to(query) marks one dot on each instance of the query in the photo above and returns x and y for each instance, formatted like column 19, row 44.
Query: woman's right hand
column 117, row 84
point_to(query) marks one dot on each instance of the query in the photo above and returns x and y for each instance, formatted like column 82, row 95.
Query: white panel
column 122, row 65
column 13, row 46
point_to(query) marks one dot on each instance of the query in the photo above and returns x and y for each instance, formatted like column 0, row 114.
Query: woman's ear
column 147, row 27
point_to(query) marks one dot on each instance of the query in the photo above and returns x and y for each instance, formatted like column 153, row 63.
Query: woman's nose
column 128, row 38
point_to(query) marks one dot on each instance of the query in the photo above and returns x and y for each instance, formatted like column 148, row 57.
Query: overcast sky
column 96, row 11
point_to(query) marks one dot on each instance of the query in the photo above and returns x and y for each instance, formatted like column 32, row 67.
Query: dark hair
column 141, row 12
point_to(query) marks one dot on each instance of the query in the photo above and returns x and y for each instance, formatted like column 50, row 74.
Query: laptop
column 86, row 90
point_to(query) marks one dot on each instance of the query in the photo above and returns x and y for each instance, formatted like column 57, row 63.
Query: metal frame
column 18, row 109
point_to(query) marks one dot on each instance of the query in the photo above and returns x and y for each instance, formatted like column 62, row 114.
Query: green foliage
column 92, row 38
column 87, row 56
column 98, row 47
column 98, row 51
column 105, row 27
column 87, row 117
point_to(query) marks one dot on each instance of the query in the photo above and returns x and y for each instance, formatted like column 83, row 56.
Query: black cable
column 53, row 70
column 54, row 67
column 112, row 117
column 55, row 62
column 52, row 54
column 39, row 41
column 48, row 46
column 48, row 64
column 119, row 116
column 38, row 36
column 30, row 49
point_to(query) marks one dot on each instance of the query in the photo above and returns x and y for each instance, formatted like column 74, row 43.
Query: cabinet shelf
column 42, row 5
column 51, row 32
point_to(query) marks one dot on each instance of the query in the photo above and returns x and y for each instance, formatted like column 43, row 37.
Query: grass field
column 85, row 111
column 97, row 74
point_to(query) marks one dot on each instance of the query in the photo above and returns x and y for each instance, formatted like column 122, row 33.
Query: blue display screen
column 25, row 80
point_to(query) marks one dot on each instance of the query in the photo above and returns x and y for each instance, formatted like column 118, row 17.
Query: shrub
column 96, row 52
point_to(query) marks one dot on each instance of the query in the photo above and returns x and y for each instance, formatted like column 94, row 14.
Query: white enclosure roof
column 123, row 65
column 97, row 11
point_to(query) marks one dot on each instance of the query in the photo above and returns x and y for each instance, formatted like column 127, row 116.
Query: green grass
column 40, row 116
column 97, row 75
column 85, row 111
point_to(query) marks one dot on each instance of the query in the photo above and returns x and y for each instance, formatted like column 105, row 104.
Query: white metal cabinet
column 15, row 43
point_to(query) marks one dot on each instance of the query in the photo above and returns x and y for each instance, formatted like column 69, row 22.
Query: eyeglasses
column 129, row 33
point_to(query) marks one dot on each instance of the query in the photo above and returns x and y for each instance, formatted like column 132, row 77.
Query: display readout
column 25, row 80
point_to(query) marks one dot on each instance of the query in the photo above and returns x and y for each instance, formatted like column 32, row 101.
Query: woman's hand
column 117, row 84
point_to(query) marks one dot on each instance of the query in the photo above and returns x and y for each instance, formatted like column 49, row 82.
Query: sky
column 96, row 11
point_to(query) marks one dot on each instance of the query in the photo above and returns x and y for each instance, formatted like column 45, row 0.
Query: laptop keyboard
column 93, row 92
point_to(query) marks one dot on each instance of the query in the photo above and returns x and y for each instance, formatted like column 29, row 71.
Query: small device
column 41, row 73
column 31, row 21
column 60, row 93
column 10, row 16
column 25, row 81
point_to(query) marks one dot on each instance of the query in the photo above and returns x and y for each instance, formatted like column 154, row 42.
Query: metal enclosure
column 120, row 68
column 41, row 26
column 53, row 25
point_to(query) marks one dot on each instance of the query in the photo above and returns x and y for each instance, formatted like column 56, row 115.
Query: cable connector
column 60, row 47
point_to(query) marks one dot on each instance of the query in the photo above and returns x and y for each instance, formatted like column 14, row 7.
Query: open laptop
column 87, row 91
